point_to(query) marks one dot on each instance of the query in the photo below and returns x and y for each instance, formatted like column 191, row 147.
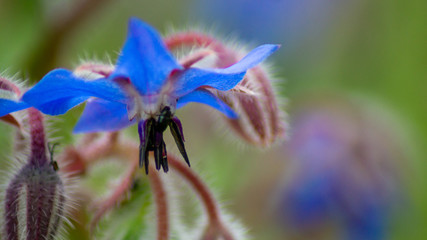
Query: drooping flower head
column 146, row 87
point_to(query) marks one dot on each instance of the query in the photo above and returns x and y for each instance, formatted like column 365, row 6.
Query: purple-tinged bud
column 35, row 197
column 260, row 120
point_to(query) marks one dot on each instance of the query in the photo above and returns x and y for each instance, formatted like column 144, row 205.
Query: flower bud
column 35, row 196
column 260, row 120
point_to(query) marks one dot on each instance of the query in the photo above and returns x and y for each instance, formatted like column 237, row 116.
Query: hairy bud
column 260, row 120
column 35, row 196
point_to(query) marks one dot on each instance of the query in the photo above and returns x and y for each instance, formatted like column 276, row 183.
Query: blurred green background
column 374, row 50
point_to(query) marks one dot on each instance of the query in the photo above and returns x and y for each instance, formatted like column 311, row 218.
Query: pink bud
column 260, row 119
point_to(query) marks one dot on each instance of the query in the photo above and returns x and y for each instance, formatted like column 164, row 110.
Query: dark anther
column 151, row 139
column 158, row 151
column 146, row 132
column 164, row 158
column 176, row 130
column 51, row 149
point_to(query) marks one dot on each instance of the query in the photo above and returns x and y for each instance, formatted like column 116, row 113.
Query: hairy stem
column 130, row 151
column 100, row 147
column 115, row 196
column 160, row 198
column 92, row 148
column 215, row 226
column 38, row 144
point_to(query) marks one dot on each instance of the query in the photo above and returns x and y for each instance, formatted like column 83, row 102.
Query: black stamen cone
column 151, row 139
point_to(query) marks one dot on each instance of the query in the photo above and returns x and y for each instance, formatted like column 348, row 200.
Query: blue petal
column 221, row 79
column 102, row 115
column 144, row 59
column 7, row 106
column 205, row 97
column 60, row 90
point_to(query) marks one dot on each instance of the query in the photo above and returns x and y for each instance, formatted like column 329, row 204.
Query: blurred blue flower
column 146, row 86
column 342, row 175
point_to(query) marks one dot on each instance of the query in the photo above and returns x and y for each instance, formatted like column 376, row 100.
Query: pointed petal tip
column 263, row 51
column 145, row 54
column 275, row 47
column 222, row 79
column 232, row 114
column 271, row 46
column 135, row 23
column 134, row 19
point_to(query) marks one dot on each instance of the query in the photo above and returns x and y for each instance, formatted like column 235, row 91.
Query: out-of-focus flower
column 342, row 174
column 146, row 87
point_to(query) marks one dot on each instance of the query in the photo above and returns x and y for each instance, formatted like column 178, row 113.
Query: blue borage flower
column 146, row 87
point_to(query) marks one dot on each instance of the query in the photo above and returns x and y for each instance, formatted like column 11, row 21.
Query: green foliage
column 130, row 220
